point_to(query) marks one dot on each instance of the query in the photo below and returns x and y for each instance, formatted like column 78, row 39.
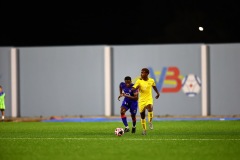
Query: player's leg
column 142, row 114
column 124, row 118
column 133, row 111
column 2, row 111
column 150, row 115
column 134, row 119
column 143, row 122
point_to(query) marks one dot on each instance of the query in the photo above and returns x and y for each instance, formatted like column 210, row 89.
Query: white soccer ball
column 191, row 85
column 119, row 131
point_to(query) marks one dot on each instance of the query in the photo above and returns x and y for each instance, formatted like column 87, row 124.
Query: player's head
column 128, row 81
column 144, row 73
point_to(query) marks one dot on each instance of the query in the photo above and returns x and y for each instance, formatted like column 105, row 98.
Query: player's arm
column 134, row 89
column 135, row 86
column 156, row 90
column 134, row 97
column 120, row 92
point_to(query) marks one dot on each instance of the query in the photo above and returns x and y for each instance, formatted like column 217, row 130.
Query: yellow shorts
column 143, row 104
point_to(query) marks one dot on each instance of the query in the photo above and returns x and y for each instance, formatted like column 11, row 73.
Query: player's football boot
column 144, row 132
column 126, row 130
column 151, row 125
column 133, row 129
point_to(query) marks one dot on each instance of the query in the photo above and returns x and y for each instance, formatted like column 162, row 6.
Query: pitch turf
column 170, row 140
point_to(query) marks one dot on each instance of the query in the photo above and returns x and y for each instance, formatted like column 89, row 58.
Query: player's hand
column 157, row 96
column 120, row 96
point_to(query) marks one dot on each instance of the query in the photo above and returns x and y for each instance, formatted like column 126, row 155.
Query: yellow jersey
column 145, row 89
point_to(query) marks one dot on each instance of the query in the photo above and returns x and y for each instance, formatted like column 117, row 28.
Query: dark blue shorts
column 133, row 106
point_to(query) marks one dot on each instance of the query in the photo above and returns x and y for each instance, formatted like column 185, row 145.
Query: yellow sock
column 143, row 122
column 150, row 116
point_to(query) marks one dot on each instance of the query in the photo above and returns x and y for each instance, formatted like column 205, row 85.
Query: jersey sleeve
column 153, row 84
column 136, row 84
column 121, row 85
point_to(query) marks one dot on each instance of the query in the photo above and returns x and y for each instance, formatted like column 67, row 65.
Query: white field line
column 117, row 138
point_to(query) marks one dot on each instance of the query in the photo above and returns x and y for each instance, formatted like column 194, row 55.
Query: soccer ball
column 119, row 131
column 191, row 85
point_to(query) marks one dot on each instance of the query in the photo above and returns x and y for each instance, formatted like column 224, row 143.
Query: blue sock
column 124, row 120
column 134, row 121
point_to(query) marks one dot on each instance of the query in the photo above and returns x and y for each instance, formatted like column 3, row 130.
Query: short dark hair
column 145, row 70
column 127, row 78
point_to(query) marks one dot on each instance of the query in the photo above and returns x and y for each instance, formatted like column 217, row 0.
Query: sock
column 143, row 122
column 124, row 120
column 134, row 121
column 150, row 117
column 2, row 117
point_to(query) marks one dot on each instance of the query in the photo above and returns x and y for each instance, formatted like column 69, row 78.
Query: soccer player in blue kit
column 130, row 102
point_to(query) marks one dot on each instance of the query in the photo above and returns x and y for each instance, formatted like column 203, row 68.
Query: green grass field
column 170, row 140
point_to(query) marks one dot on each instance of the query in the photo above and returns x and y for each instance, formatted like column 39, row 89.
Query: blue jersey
column 127, row 91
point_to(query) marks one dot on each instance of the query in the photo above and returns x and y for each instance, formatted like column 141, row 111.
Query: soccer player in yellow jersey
column 145, row 101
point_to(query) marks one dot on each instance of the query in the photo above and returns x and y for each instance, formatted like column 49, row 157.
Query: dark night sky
column 97, row 23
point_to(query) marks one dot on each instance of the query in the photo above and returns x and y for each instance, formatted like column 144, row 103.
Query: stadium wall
column 61, row 81
column 224, row 79
column 5, row 76
column 71, row 81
